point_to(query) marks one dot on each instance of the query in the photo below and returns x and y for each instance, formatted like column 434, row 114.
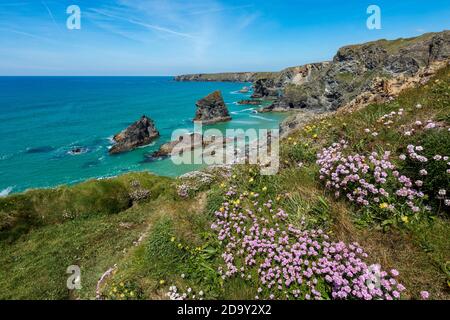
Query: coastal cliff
column 225, row 77
column 358, row 75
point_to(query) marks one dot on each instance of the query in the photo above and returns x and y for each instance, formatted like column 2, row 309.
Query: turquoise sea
column 43, row 118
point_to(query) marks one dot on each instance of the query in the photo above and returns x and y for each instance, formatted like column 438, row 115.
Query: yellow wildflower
column 161, row 282
column 383, row 205
column 264, row 189
column 405, row 219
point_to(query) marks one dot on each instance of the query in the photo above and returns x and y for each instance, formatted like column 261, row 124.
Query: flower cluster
column 413, row 154
column 183, row 191
column 429, row 124
column 174, row 294
column 287, row 262
column 390, row 118
column 366, row 179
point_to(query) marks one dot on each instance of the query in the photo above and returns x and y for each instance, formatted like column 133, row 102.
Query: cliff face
column 364, row 73
column 357, row 75
column 226, row 77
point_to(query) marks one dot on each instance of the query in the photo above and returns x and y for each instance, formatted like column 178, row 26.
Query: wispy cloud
column 140, row 23
column 27, row 34
column 50, row 14
column 217, row 10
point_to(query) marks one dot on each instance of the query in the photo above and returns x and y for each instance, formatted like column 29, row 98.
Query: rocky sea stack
column 212, row 109
column 140, row 133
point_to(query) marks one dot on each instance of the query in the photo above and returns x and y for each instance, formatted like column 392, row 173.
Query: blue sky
column 157, row 37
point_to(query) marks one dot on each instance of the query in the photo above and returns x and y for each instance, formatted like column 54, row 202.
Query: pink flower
column 424, row 295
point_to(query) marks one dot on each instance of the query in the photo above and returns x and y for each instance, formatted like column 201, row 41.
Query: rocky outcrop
column 190, row 142
column 226, row 77
column 365, row 73
column 250, row 102
column 355, row 75
column 212, row 109
column 140, row 133
column 187, row 142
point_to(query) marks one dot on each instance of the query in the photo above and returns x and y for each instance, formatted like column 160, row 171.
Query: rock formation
column 140, row 133
column 212, row 109
column 190, row 142
column 250, row 102
column 187, row 142
column 358, row 74
column 226, row 77
column 361, row 73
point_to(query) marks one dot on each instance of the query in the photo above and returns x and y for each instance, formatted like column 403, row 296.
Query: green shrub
column 435, row 142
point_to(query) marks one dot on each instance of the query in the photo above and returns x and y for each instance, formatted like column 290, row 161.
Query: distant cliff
column 358, row 74
column 226, row 77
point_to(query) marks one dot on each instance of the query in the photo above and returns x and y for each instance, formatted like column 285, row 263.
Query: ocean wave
column 6, row 192
column 262, row 118
column 5, row 156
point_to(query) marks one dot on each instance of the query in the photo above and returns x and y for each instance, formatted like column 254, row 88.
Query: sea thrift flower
column 424, row 295
column 288, row 260
column 364, row 179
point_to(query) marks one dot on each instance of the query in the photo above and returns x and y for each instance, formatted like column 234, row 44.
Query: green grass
column 96, row 224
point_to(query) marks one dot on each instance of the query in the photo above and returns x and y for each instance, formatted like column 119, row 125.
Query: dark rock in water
column 212, row 109
column 43, row 149
column 250, row 102
column 140, row 133
column 77, row 150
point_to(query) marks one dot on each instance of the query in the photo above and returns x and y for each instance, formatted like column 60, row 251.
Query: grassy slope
column 39, row 239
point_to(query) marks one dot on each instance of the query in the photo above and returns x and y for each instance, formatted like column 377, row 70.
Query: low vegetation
column 359, row 210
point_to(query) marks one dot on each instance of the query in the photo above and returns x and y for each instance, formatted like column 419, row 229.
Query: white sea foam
column 262, row 118
column 5, row 192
